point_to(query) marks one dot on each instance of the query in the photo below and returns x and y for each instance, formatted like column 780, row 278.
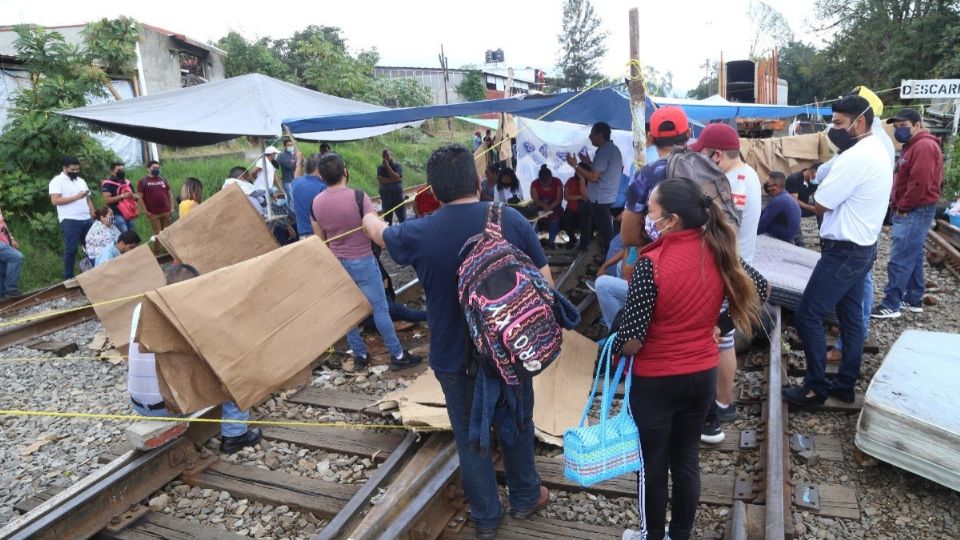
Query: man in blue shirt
column 305, row 189
column 781, row 217
column 603, row 182
column 432, row 245
column 125, row 242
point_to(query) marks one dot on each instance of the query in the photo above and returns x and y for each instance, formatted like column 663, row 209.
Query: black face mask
column 155, row 171
column 121, row 175
column 842, row 138
column 73, row 175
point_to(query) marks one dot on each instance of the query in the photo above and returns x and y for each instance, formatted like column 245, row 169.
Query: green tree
column 401, row 92
column 290, row 50
column 656, row 83
column 879, row 42
column 245, row 57
column 35, row 138
column 472, row 88
column 770, row 29
column 804, row 68
column 709, row 83
column 582, row 44
column 112, row 43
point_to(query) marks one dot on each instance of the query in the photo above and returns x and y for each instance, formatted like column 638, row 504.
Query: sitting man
column 125, row 242
column 144, row 389
column 781, row 217
column 241, row 177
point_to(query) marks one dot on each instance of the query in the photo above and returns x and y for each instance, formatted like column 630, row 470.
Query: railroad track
column 413, row 478
column 943, row 241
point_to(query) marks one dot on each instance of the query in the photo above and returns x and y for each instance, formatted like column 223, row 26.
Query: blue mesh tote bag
column 611, row 447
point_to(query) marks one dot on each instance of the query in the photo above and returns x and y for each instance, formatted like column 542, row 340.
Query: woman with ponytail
column 669, row 325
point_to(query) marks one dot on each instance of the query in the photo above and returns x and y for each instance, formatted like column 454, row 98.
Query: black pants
column 669, row 412
column 390, row 198
column 599, row 218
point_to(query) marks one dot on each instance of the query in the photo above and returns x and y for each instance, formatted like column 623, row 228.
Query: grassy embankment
column 411, row 147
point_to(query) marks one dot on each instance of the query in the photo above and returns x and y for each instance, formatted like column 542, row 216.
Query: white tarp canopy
column 129, row 150
column 249, row 105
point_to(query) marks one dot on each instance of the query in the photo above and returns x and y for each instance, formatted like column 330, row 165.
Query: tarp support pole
column 638, row 98
column 263, row 167
column 956, row 116
column 152, row 152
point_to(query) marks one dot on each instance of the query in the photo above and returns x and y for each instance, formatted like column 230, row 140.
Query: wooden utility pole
column 446, row 78
column 638, row 98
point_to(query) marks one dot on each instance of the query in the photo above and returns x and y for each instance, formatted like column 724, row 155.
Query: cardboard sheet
column 257, row 324
column 223, row 230
column 560, row 392
column 132, row 273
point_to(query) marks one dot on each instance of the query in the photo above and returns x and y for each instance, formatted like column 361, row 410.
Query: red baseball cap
column 668, row 122
column 718, row 137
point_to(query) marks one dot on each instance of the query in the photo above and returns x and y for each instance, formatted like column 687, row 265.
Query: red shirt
column 573, row 188
column 427, row 203
column 548, row 194
column 156, row 194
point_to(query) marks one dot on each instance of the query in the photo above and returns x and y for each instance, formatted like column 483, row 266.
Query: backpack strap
column 494, row 217
column 359, row 195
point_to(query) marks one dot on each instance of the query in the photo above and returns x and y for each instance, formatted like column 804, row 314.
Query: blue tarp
column 608, row 105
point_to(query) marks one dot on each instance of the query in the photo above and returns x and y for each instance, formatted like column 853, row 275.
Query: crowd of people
column 675, row 285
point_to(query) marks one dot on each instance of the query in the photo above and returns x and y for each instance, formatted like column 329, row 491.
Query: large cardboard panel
column 223, row 230
column 132, row 273
column 261, row 322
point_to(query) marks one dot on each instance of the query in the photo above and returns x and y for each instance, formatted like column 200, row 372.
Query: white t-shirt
column 857, row 192
column 255, row 195
column 66, row 187
column 745, row 187
column 142, row 384
column 264, row 179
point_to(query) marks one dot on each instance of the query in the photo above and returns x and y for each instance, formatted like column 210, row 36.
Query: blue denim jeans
column 905, row 280
column 366, row 274
column 837, row 284
column 10, row 262
column 611, row 295
column 867, row 306
column 74, row 234
column 476, row 471
column 229, row 411
column 122, row 223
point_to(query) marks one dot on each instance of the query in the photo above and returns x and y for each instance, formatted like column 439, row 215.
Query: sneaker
column 541, row 503
column 881, row 312
column 230, row 445
column 13, row 294
column 911, row 308
column 408, row 360
column 798, row 396
column 727, row 414
column 591, row 284
column 711, row 433
column 361, row 362
column 485, row 534
column 846, row 395
column 631, row 534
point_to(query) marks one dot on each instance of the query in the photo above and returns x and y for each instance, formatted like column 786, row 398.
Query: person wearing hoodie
column 916, row 191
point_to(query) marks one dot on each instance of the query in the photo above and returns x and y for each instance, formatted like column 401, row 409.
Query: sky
column 679, row 37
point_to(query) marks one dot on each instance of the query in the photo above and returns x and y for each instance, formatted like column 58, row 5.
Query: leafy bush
column 36, row 138
column 951, row 172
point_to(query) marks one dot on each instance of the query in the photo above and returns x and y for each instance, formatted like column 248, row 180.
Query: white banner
column 932, row 88
column 550, row 143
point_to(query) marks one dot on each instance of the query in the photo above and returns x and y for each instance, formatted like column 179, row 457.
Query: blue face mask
column 650, row 225
column 902, row 134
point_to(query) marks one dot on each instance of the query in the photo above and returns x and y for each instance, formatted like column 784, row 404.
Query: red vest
column 689, row 295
